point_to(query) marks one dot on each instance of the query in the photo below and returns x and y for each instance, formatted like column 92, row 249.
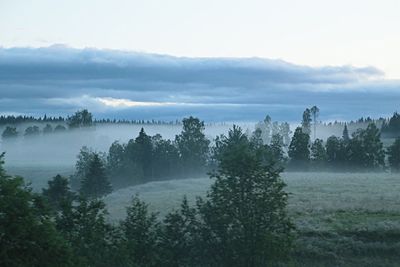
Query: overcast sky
column 228, row 60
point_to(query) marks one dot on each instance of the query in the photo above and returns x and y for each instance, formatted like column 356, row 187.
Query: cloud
column 58, row 79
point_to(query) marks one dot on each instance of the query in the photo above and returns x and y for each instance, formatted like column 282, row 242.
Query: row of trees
column 362, row 151
column 242, row 221
column 148, row 158
column 11, row 132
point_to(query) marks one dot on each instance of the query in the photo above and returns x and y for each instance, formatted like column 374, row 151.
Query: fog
column 61, row 149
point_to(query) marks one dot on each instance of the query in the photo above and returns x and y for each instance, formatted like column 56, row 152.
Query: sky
column 221, row 60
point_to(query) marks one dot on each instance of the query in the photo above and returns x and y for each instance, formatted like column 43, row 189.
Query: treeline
column 12, row 119
column 148, row 158
column 241, row 222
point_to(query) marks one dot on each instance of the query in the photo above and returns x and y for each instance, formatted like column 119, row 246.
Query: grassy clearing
column 343, row 219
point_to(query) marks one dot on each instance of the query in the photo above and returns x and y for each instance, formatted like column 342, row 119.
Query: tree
column 95, row 184
column 276, row 148
column 365, row 149
column 166, row 159
column 59, row 128
column 299, row 151
column 178, row 241
column 27, row 234
column 306, row 122
column 140, row 229
column 32, row 131
column 193, row 145
column 47, row 129
column 143, row 152
column 83, row 224
column 9, row 132
column 318, row 154
column 345, row 134
column 82, row 118
column 315, row 112
column 244, row 219
column 394, row 155
column 58, row 192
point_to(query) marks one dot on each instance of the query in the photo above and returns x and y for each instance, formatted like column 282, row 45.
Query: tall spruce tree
column 299, row 149
column 95, row 184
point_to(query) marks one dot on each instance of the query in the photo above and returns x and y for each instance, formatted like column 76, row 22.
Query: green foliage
column 32, row 131
column 193, row 145
column 365, row 149
column 82, row 118
column 179, row 242
column 95, row 183
column 392, row 127
column 140, row 230
column 318, row 154
column 9, row 132
column 27, row 234
column 244, row 215
column 58, row 192
column 394, row 155
column 299, row 149
column 84, row 227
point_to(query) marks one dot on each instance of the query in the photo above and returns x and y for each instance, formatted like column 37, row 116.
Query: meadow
column 342, row 219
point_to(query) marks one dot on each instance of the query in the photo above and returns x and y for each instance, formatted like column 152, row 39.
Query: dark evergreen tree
column 140, row 229
column 58, row 192
column 336, row 152
column 193, row 145
column 95, row 184
column 178, row 240
column 345, row 134
column 83, row 224
column 394, row 155
column 318, row 154
column 299, row 149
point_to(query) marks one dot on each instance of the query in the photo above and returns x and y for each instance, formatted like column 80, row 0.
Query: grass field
column 342, row 219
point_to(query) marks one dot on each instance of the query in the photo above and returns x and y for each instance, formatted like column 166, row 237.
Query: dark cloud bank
column 58, row 80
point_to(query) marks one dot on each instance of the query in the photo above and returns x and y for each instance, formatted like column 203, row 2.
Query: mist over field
column 205, row 133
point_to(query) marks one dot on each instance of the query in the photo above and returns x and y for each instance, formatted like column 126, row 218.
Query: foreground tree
column 140, row 229
column 394, row 155
column 95, row 184
column 27, row 234
column 244, row 216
